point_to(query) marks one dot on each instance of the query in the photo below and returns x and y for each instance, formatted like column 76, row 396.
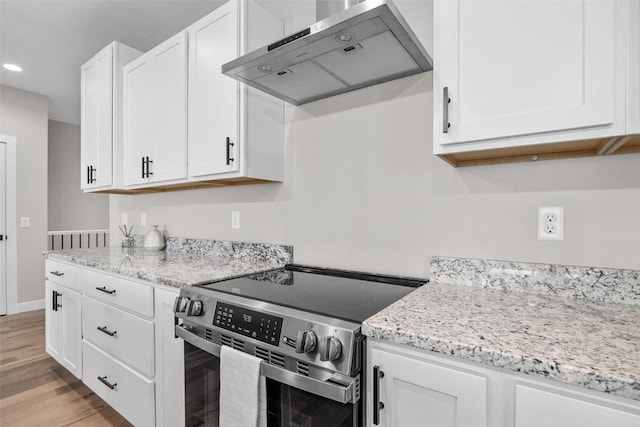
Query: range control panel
column 252, row 324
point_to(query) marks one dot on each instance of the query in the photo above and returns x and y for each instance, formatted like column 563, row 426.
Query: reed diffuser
column 127, row 242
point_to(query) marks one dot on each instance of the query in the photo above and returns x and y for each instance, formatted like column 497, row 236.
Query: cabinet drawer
column 62, row 274
column 131, row 395
column 131, row 295
column 122, row 335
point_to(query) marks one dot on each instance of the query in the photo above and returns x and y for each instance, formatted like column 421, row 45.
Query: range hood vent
column 363, row 45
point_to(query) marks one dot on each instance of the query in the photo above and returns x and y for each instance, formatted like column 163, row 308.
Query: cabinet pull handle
column 107, row 331
column 143, row 168
column 54, row 301
column 148, row 162
column 104, row 381
column 88, row 175
column 377, row 405
column 445, row 110
column 105, row 290
column 229, row 145
column 57, row 273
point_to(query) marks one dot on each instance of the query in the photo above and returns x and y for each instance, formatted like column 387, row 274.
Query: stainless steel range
column 303, row 322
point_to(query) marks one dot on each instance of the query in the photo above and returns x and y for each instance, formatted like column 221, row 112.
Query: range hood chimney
column 363, row 45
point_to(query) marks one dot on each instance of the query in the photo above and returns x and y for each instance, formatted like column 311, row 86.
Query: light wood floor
column 35, row 390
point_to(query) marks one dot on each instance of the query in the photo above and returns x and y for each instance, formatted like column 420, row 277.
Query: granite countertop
column 583, row 342
column 176, row 267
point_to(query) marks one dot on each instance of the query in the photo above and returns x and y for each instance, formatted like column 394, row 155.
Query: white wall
column 363, row 191
column 69, row 207
column 24, row 115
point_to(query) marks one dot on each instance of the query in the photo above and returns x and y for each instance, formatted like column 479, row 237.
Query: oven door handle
column 346, row 393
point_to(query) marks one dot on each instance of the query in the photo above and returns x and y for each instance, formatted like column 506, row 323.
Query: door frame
column 12, row 224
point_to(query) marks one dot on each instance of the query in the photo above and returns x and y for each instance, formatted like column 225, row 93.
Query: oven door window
column 202, row 387
column 286, row 406
column 291, row 407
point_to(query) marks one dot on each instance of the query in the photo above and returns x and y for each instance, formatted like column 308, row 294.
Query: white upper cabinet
column 155, row 114
column 527, row 72
column 101, row 115
column 213, row 97
column 633, row 69
column 234, row 131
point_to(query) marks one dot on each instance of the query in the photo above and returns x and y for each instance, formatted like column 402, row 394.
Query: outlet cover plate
column 235, row 220
column 550, row 223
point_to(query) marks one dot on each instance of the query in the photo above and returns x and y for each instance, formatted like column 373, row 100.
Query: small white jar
column 154, row 239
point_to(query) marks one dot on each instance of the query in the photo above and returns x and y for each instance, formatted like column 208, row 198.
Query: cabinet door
column 525, row 67
column 169, row 144
column 417, row 393
column 53, row 323
column 563, row 408
column 71, row 332
column 633, row 69
column 138, row 122
column 169, row 363
column 213, row 97
column 97, row 120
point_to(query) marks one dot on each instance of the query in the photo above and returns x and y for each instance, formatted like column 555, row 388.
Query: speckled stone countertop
column 576, row 341
column 177, row 266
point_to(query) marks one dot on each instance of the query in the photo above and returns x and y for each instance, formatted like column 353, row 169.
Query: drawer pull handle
column 105, row 290
column 104, row 381
column 57, row 273
column 106, row 331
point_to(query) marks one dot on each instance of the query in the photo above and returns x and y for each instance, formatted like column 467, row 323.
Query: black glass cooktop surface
column 346, row 295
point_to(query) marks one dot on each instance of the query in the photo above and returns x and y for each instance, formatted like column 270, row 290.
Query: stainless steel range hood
column 364, row 45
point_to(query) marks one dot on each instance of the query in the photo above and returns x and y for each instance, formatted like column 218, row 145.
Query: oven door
column 287, row 405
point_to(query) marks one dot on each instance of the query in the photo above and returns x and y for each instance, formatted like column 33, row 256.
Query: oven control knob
column 180, row 305
column 330, row 349
column 195, row 308
column 305, row 341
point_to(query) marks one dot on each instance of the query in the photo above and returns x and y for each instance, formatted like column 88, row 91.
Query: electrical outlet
column 25, row 222
column 551, row 223
column 235, row 220
column 143, row 218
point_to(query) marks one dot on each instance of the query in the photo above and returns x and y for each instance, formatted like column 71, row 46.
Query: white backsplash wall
column 363, row 191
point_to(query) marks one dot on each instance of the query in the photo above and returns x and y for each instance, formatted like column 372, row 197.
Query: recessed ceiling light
column 12, row 67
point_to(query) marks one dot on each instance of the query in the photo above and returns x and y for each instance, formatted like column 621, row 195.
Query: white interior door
column 3, row 225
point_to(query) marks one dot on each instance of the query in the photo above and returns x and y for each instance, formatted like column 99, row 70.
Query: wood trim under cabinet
column 194, row 185
column 531, row 153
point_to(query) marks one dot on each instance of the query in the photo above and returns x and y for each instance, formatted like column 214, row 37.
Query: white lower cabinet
column 118, row 336
column 563, row 406
column 63, row 336
column 169, row 363
column 118, row 344
column 62, row 327
column 128, row 392
column 127, row 337
column 422, row 388
column 417, row 391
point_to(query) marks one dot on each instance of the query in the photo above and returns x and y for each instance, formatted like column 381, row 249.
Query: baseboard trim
column 30, row 306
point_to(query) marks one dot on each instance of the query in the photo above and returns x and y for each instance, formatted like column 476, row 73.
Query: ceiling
column 51, row 39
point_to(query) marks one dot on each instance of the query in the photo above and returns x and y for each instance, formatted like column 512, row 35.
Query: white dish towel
column 243, row 391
